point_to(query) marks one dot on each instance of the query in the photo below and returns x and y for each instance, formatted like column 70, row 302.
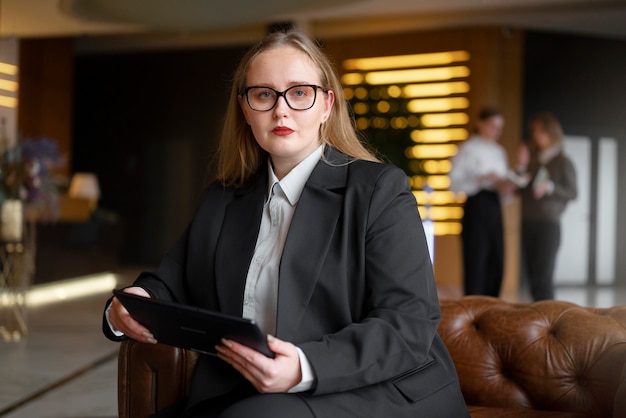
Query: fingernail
column 226, row 343
column 270, row 338
column 149, row 337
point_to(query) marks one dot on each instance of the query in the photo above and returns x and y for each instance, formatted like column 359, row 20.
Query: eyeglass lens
column 301, row 97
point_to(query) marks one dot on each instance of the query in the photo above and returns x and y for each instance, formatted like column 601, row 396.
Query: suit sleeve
column 565, row 182
column 155, row 284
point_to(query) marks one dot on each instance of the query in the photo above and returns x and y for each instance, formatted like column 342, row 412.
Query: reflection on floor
column 66, row 368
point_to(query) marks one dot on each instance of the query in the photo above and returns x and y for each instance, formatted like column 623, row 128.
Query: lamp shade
column 85, row 186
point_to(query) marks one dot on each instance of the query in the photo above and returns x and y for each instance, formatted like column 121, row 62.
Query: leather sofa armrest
column 152, row 377
column 619, row 409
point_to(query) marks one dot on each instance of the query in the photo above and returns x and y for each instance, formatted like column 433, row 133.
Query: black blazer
column 356, row 289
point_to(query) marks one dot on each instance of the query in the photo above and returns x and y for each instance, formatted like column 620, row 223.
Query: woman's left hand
column 542, row 189
column 267, row 375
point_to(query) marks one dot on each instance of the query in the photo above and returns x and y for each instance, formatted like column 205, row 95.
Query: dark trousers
column 483, row 244
column 278, row 405
column 245, row 401
column 242, row 402
column 540, row 244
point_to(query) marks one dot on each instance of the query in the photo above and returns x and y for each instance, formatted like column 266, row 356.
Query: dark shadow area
column 66, row 250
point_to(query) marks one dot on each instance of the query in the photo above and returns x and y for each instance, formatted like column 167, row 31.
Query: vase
column 11, row 220
column 16, row 269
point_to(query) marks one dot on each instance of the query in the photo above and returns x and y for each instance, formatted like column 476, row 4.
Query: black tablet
column 191, row 327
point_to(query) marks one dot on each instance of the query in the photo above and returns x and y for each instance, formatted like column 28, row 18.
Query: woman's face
column 540, row 136
column 287, row 135
column 490, row 128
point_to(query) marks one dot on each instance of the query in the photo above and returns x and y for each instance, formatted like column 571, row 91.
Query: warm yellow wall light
column 403, row 61
column 444, row 119
column 416, row 75
column 9, row 69
column 379, row 123
column 425, row 167
column 351, row 79
column 441, row 213
column 436, row 166
column 447, row 228
column 437, row 197
column 431, row 151
column 439, row 135
column 399, row 122
column 437, row 105
column 439, row 181
column 438, row 119
column 8, row 85
column 435, row 89
column 7, row 101
column 361, row 93
column 383, row 106
column 394, row 91
column 361, row 108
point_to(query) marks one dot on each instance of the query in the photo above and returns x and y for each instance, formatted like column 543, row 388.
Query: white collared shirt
column 261, row 290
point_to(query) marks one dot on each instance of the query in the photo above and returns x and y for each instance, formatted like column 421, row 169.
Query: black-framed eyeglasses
column 300, row 97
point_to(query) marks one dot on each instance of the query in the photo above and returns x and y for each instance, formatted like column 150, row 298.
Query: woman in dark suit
column 307, row 233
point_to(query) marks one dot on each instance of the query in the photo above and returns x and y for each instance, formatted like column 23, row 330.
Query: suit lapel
column 310, row 234
column 237, row 241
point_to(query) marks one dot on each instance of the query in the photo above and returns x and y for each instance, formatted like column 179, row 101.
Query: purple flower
column 45, row 151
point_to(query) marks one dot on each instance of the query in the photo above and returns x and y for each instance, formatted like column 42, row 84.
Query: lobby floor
column 65, row 368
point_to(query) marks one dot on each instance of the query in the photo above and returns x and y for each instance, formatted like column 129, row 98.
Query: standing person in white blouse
column 479, row 170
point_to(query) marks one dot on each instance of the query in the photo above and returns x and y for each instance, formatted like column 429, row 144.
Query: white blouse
column 477, row 157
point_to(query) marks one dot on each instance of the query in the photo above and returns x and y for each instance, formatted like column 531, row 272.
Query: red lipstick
column 282, row 131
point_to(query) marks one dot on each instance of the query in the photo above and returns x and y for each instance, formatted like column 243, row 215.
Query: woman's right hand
column 121, row 321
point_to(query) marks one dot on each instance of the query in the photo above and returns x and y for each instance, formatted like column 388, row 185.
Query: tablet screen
column 191, row 327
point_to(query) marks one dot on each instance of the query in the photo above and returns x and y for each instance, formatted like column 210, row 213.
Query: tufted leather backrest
column 549, row 355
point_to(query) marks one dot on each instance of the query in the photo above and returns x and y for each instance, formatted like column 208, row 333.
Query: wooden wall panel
column 46, row 78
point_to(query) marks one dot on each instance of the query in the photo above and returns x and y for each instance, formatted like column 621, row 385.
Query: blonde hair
column 550, row 124
column 239, row 156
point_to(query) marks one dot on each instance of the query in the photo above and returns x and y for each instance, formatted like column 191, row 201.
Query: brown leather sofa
column 545, row 359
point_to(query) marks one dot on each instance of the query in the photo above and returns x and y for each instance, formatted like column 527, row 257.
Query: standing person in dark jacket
column 551, row 185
